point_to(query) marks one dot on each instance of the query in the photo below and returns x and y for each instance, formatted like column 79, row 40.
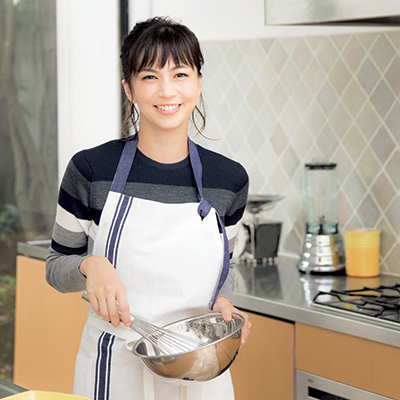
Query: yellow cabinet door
column 48, row 328
column 351, row 360
column 264, row 368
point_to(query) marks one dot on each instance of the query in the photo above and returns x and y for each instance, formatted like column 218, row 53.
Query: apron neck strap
column 204, row 207
column 128, row 155
column 196, row 167
column 124, row 165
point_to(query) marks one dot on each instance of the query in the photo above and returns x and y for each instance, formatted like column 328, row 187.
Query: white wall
column 88, row 75
column 227, row 19
column 88, row 56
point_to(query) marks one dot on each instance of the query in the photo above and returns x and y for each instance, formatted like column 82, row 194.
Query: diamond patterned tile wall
column 274, row 104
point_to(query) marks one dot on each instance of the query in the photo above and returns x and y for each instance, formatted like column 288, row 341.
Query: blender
column 323, row 245
column 258, row 238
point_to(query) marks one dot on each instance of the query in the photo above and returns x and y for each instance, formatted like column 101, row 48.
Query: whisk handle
column 86, row 297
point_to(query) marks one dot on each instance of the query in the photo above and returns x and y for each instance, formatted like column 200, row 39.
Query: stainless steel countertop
column 282, row 291
column 35, row 249
column 9, row 389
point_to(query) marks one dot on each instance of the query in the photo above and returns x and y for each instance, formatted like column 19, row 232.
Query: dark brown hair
column 156, row 41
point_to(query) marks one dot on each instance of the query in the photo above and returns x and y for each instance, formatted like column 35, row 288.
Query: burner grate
column 380, row 302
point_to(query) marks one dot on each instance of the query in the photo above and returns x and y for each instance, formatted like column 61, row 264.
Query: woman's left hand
column 225, row 307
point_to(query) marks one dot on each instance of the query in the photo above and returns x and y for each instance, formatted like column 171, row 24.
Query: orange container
column 362, row 252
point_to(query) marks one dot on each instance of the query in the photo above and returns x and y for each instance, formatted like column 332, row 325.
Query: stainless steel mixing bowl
column 221, row 345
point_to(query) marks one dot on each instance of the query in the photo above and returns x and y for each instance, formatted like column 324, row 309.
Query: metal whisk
column 165, row 341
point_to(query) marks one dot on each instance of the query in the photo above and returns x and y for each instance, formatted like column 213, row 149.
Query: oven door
column 313, row 387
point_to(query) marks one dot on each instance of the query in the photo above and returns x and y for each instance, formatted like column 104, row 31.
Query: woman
column 133, row 226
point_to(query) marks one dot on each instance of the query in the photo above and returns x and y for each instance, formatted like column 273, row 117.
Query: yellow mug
column 362, row 252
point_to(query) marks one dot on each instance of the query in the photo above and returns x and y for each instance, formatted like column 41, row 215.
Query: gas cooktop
column 382, row 302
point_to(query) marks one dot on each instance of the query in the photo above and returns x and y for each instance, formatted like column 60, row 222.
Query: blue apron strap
column 196, row 167
column 203, row 210
column 225, row 266
column 124, row 165
column 204, row 207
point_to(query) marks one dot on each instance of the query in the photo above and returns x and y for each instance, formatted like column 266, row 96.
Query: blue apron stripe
column 112, row 224
column 108, row 370
column 121, row 227
column 113, row 227
column 103, row 366
column 120, row 209
column 96, row 381
column 106, row 341
column 116, row 231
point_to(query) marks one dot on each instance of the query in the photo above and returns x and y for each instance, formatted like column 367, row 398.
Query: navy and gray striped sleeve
column 232, row 221
column 71, row 229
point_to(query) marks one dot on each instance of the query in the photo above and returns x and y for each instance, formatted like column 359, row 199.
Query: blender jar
column 320, row 198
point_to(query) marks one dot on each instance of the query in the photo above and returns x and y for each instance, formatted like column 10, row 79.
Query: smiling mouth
column 168, row 107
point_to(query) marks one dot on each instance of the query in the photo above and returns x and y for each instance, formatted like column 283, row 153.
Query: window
column 28, row 142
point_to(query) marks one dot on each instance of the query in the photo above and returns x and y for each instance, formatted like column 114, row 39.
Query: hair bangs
column 166, row 46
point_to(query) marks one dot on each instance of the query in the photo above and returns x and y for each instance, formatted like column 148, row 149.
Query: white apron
column 171, row 258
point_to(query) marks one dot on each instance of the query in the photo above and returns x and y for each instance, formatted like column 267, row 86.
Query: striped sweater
column 86, row 184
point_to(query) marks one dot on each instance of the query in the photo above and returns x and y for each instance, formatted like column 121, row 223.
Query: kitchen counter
column 9, row 389
column 35, row 249
column 283, row 292
column 53, row 321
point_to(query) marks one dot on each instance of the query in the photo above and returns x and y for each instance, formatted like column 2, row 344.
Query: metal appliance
column 382, row 302
column 258, row 237
column 323, row 250
column 313, row 387
column 286, row 12
column 375, row 303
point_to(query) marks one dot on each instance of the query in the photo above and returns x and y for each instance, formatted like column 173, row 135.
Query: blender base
column 322, row 254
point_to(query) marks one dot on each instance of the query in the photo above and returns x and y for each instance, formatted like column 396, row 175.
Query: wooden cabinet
column 264, row 368
column 357, row 362
column 48, row 328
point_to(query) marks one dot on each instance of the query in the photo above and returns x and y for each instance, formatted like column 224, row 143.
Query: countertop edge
column 371, row 330
column 35, row 249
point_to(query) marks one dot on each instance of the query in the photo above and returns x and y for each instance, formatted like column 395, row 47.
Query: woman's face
column 165, row 96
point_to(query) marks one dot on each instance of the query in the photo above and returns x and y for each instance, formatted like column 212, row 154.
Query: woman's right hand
column 104, row 289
